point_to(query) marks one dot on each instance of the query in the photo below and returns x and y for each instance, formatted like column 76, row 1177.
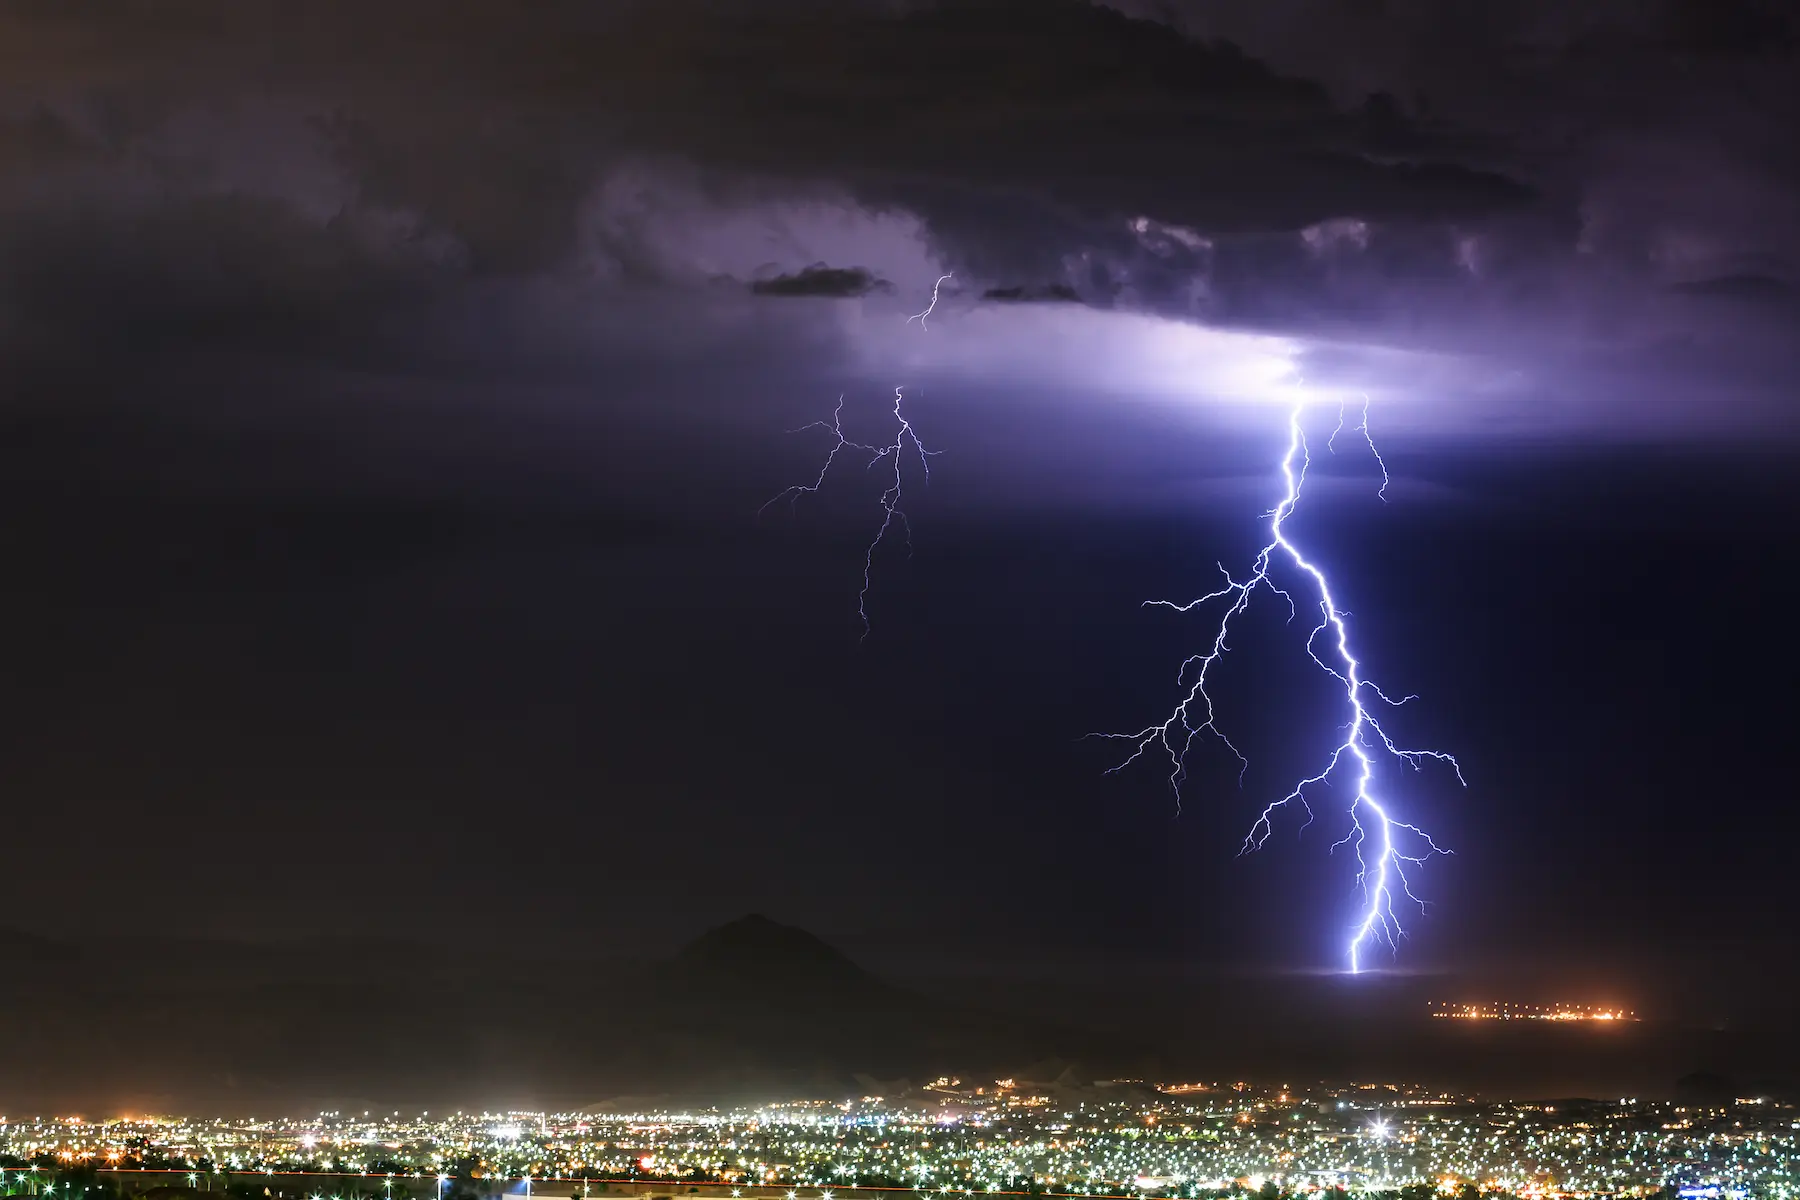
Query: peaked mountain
column 755, row 1002
column 755, row 950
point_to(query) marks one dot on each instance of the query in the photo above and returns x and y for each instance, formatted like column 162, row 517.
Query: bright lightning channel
column 1385, row 846
column 906, row 440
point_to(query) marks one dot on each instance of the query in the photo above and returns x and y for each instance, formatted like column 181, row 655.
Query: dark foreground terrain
column 749, row 1010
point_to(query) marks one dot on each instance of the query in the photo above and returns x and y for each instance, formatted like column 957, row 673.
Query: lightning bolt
column 895, row 452
column 1385, row 846
column 906, row 440
column 930, row 308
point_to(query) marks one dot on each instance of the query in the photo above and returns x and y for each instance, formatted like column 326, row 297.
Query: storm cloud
column 820, row 280
column 367, row 185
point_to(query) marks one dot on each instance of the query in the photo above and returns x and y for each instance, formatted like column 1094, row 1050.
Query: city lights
column 1122, row 1139
column 1531, row 1012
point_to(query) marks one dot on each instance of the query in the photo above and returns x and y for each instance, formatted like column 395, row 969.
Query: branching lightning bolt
column 906, row 440
column 1385, row 846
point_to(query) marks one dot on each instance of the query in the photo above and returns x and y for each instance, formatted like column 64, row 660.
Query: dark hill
column 751, row 1009
column 756, row 950
column 755, row 1002
column 22, row 948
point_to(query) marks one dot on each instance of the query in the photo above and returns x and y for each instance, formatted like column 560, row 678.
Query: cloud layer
column 1463, row 218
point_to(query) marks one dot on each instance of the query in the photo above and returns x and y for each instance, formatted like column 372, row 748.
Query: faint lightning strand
column 836, row 425
column 920, row 317
column 906, row 442
column 1363, row 428
column 904, row 438
column 1385, row 846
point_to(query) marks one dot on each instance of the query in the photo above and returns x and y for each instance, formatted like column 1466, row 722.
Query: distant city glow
column 1531, row 1012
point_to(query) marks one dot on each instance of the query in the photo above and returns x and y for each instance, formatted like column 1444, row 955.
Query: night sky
column 388, row 393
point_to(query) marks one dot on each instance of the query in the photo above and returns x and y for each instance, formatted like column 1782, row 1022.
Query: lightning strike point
column 1385, row 846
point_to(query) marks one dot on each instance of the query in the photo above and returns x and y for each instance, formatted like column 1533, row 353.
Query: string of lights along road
column 1386, row 845
column 906, row 440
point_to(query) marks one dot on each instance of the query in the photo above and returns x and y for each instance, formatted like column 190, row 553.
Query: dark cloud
column 229, row 268
column 1730, row 28
column 497, row 124
column 1384, row 174
column 41, row 140
column 1106, row 115
column 820, row 280
column 1741, row 287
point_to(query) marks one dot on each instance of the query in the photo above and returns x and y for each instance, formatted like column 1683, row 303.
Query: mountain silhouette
column 755, row 950
column 751, row 1009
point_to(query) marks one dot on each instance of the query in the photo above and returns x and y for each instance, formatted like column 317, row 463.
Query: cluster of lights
column 1531, row 1012
column 956, row 1139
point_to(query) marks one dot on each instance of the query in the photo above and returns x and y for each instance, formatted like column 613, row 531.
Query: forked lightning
column 1385, row 846
column 906, row 440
